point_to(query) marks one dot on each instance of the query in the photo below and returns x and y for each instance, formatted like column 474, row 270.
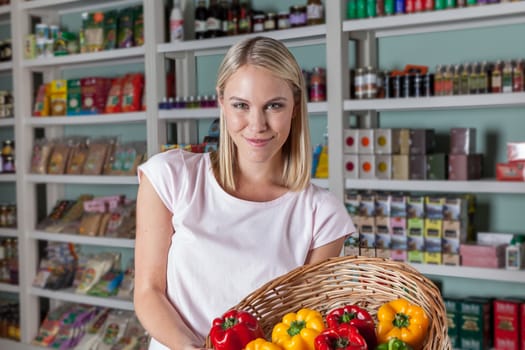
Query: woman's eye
column 273, row 106
column 240, row 105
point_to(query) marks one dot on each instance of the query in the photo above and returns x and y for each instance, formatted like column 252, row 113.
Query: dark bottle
column 201, row 15
column 214, row 20
column 234, row 13
column 245, row 18
column 225, row 8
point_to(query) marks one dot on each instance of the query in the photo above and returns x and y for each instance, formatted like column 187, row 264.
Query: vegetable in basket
column 394, row 344
column 234, row 330
column 341, row 337
column 355, row 316
column 262, row 344
column 402, row 320
column 297, row 331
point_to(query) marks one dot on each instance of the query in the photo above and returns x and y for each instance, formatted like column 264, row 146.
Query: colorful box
column 433, row 235
column 415, row 256
column 383, row 204
column 515, row 152
column 510, row 171
column 366, row 141
column 383, row 167
column 383, row 141
column 453, row 236
column 398, row 255
column 451, row 259
column 351, row 245
column 399, row 233
column 465, row 167
column 367, row 232
column 462, row 140
column 351, row 140
column 433, row 258
column 367, row 204
column 398, row 206
column 476, row 324
column 434, row 207
column 383, row 233
column 367, row 166
column 506, row 324
column 452, row 307
column 416, row 207
column 351, row 166
column 352, row 200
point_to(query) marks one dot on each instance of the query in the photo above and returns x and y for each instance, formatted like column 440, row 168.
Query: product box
column 422, row 141
column 367, row 166
column 434, row 207
column 437, row 166
column 453, row 236
column 417, row 167
column 455, row 208
column 415, row 230
column 433, row 258
column 350, row 142
column 464, row 167
column 383, row 141
column 398, row 255
column 383, row 233
column 383, row 167
column 351, row 166
column 452, row 307
column 462, row 140
column 400, row 167
column 366, row 141
column 401, row 141
column 433, row 235
column 74, row 97
column 351, row 245
column 367, row 204
column 368, row 252
column 398, row 206
column 399, row 233
column 451, row 259
column 522, row 322
column 490, row 256
column 383, row 253
column 476, row 324
column 515, row 152
column 367, row 234
column 506, row 324
column 510, row 171
column 383, row 204
column 415, row 256
column 416, row 207
column 352, row 200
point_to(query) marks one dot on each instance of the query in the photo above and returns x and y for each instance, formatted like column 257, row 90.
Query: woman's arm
column 326, row 251
column 153, row 239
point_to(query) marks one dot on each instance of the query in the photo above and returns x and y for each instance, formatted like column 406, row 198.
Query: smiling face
column 258, row 109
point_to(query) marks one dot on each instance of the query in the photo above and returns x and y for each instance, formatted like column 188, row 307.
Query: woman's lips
column 259, row 142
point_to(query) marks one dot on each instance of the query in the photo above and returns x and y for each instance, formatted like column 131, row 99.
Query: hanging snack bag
column 125, row 28
column 96, row 157
column 114, row 100
column 41, row 107
column 132, row 92
column 79, row 152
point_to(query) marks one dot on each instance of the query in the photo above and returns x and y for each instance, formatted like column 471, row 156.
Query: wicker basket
column 367, row 282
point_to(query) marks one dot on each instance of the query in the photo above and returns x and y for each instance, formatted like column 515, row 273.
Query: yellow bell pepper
column 261, row 344
column 402, row 320
column 297, row 331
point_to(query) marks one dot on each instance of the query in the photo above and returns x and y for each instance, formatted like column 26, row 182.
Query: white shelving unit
column 335, row 34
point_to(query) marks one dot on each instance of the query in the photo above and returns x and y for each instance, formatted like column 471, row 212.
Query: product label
column 177, row 29
column 314, row 11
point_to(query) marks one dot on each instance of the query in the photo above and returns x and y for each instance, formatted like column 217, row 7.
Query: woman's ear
column 219, row 97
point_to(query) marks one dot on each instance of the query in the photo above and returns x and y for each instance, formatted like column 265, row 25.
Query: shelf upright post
column 337, row 90
column 25, row 192
column 154, row 24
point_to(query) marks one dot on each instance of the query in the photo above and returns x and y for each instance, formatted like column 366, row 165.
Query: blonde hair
column 272, row 55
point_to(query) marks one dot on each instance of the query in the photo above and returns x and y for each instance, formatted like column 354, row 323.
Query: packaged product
column 132, row 92
column 50, row 326
column 79, row 152
column 114, row 100
column 110, row 30
column 42, row 149
column 94, row 94
column 93, row 330
column 58, row 158
column 41, row 107
column 93, row 31
column 127, row 157
column 58, row 97
column 108, row 284
column 125, row 28
column 74, row 97
column 98, row 150
column 114, row 329
column 96, row 267
column 138, row 26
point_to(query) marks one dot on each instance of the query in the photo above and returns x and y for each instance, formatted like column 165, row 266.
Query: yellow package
column 322, row 166
column 58, row 97
column 41, row 107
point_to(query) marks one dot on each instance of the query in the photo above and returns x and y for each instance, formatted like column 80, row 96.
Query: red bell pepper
column 355, row 316
column 234, row 330
column 343, row 337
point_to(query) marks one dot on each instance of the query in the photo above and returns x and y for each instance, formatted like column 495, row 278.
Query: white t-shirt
column 225, row 247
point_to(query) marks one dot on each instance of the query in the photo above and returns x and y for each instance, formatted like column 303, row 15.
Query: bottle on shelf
column 315, row 12
column 201, row 15
column 495, row 81
column 517, row 76
column 225, row 8
column 234, row 12
column 176, row 23
column 214, row 20
column 245, row 22
column 506, row 77
column 465, row 73
column 473, row 79
column 483, row 78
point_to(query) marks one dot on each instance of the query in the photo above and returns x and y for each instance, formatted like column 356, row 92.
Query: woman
column 211, row 228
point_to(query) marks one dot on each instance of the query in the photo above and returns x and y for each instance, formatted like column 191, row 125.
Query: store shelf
column 7, row 122
column 300, row 36
column 7, row 178
column 449, row 186
column 500, row 275
column 445, row 20
column 105, row 57
column 65, row 6
column 6, row 66
column 208, row 113
column 79, row 239
column 114, row 118
column 83, row 179
column 8, row 232
column 516, row 99
column 9, row 288
column 70, row 296
column 8, row 344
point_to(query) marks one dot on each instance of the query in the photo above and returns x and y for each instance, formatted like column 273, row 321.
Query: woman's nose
column 257, row 120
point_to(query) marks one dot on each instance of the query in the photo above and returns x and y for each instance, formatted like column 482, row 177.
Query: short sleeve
column 331, row 221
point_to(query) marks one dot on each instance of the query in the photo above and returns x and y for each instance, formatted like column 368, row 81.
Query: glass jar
column 359, row 83
column 283, row 20
column 270, row 23
column 317, row 88
column 8, row 148
column 297, row 16
column 314, row 12
column 369, row 83
column 258, row 23
column 8, row 165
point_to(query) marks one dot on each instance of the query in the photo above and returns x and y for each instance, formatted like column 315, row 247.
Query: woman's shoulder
column 320, row 196
column 177, row 157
